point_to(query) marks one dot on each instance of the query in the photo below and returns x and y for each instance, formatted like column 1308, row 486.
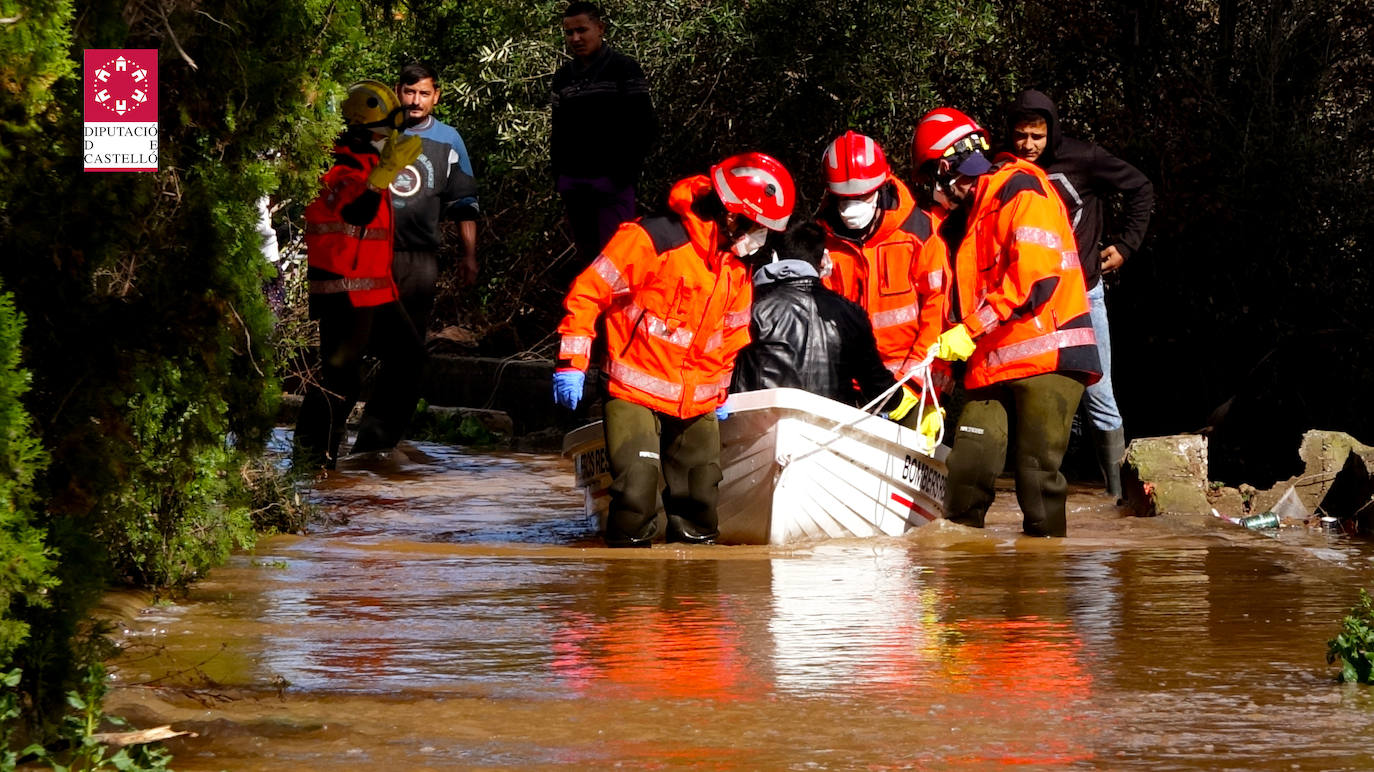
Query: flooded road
column 456, row 612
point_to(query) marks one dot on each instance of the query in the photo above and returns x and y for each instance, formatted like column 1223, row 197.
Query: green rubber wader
column 639, row 443
column 1037, row 412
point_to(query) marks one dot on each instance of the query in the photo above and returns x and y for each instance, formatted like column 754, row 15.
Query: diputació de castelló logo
column 120, row 89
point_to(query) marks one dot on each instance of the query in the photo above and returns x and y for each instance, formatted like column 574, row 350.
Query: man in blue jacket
column 1085, row 175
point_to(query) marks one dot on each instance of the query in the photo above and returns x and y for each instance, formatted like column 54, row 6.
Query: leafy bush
column 150, row 342
column 25, row 561
column 1354, row 647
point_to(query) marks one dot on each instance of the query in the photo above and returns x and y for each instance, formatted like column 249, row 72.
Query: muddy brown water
column 455, row 612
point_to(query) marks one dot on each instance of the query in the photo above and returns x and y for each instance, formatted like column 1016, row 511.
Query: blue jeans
column 1098, row 400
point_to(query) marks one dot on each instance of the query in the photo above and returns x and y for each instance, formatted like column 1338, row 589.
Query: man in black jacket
column 805, row 336
column 1085, row 175
column 603, row 128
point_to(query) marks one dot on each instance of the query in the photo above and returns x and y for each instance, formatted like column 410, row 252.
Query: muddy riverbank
column 456, row 612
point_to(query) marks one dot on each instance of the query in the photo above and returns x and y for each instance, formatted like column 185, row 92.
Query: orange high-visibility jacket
column 1019, row 283
column 361, row 256
column 676, row 309
column 900, row 278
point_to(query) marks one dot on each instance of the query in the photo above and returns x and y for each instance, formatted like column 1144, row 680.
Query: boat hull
column 798, row 467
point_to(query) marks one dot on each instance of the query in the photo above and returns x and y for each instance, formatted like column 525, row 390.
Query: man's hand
column 932, row 422
column 910, row 399
column 567, row 387
column 1112, row 259
column 399, row 152
column 467, row 270
column 954, row 344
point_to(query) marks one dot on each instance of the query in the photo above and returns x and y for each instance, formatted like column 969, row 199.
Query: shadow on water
column 456, row 611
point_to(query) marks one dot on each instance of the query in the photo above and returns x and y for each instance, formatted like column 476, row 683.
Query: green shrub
column 1355, row 645
column 25, row 561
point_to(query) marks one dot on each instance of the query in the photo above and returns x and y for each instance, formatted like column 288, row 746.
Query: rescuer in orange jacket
column 877, row 238
column 675, row 299
column 1019, row 315
column 348, row 236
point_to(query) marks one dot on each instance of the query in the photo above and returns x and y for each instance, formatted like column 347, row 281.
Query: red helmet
column 756, row 186
column 855, row 165
column 947, row 133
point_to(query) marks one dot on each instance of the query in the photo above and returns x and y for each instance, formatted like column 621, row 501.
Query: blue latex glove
column 567, row 387
column 722, row 412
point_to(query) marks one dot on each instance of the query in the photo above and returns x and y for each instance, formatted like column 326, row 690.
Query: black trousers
column 346, row 334
column 390, row 407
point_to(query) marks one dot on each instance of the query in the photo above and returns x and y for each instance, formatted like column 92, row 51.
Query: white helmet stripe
column 857, row 187
column 832, row 155
column 723, row 190
column 949, row 138
column 869, row 154
column 778, row 224
column 768, row 179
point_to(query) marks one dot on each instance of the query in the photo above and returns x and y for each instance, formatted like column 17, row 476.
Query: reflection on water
column 456, row 611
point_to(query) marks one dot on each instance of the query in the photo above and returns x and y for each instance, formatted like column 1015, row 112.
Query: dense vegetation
column 147, row 335
column 137, row 395
column 1246, row 316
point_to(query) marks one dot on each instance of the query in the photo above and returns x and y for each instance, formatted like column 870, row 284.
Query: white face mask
column 750, row 242
column 858, row 213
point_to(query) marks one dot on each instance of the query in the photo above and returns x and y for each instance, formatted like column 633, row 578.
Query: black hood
column 1030, row 99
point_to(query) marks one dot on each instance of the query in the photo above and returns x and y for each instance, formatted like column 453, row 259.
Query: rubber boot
column 692, row 517
column 1111, row 452
column 632, row 521
column 978, row 453
column 685, row 531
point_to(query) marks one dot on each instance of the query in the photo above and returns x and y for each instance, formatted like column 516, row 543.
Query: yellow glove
column 398, row 152
column 954, row 343
column 909, row 400
column 932, row 420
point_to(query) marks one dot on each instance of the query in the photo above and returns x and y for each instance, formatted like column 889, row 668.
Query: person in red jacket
column 881, row 258
column 674, row 297
column 1018, row 313
column 348, row 240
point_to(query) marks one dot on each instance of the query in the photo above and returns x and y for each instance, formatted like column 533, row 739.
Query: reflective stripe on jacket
column 361, row 256
column 1019, row 282
column 899, row 280
column 676, row 310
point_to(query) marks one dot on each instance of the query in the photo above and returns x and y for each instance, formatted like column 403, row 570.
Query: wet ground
column 455, row 612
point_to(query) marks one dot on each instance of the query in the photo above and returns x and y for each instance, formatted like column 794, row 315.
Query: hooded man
column 1084, row 175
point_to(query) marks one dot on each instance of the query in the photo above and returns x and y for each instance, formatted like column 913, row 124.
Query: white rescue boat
column 798, row 466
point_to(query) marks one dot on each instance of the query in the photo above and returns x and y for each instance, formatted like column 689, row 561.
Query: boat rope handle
column 928, row 393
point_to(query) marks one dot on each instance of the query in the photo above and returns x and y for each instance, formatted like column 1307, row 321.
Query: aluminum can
column 1260, row 522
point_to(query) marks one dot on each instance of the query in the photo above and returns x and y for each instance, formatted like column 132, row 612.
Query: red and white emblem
column 122, row 85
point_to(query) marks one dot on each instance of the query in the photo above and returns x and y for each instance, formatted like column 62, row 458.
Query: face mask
column 750, row 242
column 858, row 213
column 827, row 267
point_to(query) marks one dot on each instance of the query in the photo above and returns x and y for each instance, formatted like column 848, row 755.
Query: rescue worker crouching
column 348, row 238
column 884, row 257
column 675, row 299
column 1019, row 315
